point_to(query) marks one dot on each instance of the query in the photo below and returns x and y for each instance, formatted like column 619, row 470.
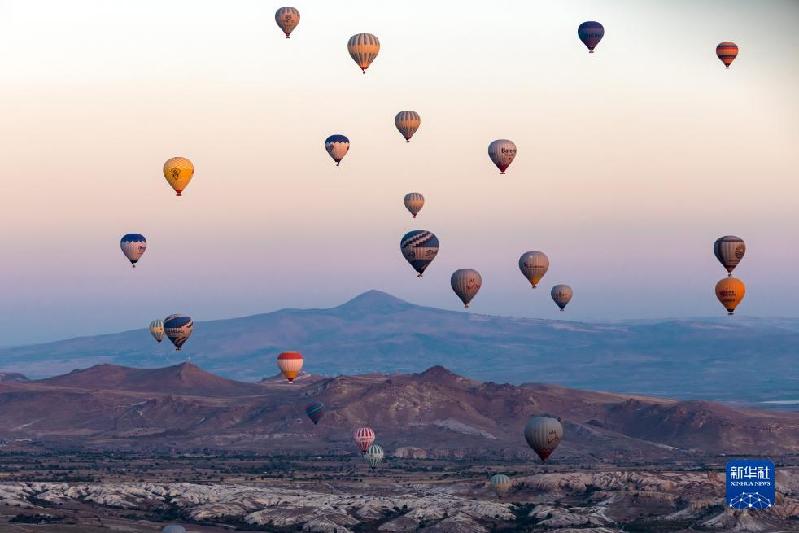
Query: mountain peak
column 375, row 302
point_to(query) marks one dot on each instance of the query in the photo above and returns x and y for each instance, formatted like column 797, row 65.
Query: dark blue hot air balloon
column 178, row 329
column 315, row 411
column 337, row 145
column 590, row 33
column 419, row 247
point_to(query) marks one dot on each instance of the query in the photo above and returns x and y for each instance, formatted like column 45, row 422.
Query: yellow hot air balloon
column 178, row 171
column 363, row 49
column 730, row 292
column 407, row 122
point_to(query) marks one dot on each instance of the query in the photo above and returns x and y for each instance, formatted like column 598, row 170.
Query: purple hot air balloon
column 590, row 33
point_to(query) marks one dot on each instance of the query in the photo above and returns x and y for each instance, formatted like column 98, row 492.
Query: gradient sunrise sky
column 631, row 160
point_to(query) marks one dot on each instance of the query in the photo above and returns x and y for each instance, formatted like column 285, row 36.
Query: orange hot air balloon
column 730, row 292
column 727, row 52
column 290, row 364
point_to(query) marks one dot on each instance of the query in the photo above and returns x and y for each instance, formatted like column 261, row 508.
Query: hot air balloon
column 290, row 364
column 337, row 146
column 407, row 122
column 729, row 250
column 287, row 19
column 173, row 528
column 543, row 434
column 419, row 247
column 590, row 33
column 500, row 483
column 374, row 455
column 364, row 437
column 363, row 49
column 178, row 171
column 178, row 329
column 533, row 266
column 502, row 152
column 466, row 282
column 561, row 295
column 133, row 246
column 730, row 291
column 414, row 202
column 157, row 330
column 315, row 411
column 727, row 52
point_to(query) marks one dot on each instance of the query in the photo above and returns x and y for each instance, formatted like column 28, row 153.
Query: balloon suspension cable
column 730, row 313
column 419, row 275
column 414, row 216
column 338, row 163
column 562, row 309
column 179, row 193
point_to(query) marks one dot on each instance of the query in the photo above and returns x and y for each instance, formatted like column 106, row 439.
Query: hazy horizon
column 631, row 160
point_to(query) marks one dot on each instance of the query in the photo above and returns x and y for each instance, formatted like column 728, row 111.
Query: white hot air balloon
column 157, row 330
column 466, row 282
column 533, row 266
column 543, row 434
column 502, row 153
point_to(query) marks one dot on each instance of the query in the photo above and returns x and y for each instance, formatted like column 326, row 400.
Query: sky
column 631, row 161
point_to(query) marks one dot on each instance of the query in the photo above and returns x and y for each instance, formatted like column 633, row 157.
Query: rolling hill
column 726, row 358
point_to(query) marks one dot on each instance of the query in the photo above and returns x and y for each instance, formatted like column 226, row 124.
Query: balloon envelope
column 407, row 122
column 133, row 245
column 502, row 153
column 419, row 247
column 590, row 33
column 363, row 49
column 414, row 202
column 157, row 330
column 543, row 434
column 178, row 172
column 178, row 329
column 364, row 437
column 727, row 52
column 315, row 411
column 561, row 295
column 729, row 250
column 287, row 19
column 290, row 364
column 337, row 145
column 730, row 291
column 374, row 455
column 533, row 266
column 466, row 282
column 500, row 483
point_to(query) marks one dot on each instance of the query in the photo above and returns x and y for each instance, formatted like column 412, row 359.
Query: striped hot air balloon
column 729, row 250
column 290, row 364
column 407, row 122
column 157, row 330
column 500, row 483
column 178, row 172
column 315, row 411
column 133, row 245
column 730, row 292
column 466, row 282
column 561, row 295
column 287, row 19
column 502, row 153
column 374, row 455
column 337, row 145
column 543, row 434
column 419, row 247
column 363, row 49
column 178, row 329
column 414, row 202
column 534, row 265
column 364, row 437
column 590, row 33
column 727, row 52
